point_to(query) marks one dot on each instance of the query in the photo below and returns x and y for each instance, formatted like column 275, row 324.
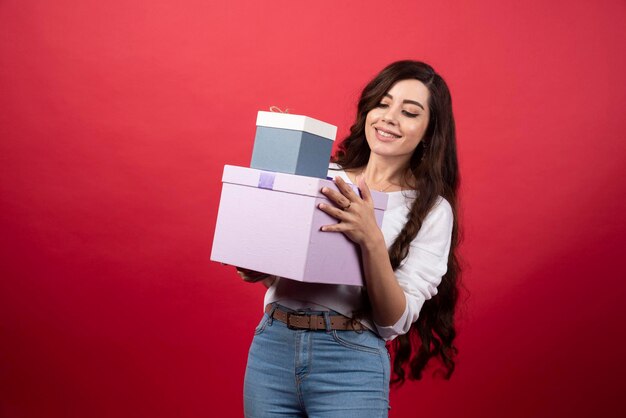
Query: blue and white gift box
column 292, row 144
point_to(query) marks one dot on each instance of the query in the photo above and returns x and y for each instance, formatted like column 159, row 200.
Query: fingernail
column 321, row 206
column 324, row 189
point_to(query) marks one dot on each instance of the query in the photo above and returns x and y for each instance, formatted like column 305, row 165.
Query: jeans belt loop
column 271, row 314
column 327, row 321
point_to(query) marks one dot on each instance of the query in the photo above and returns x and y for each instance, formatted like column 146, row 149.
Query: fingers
column 337, row 198
column 345, row 189
column 342, row 198
column 350, row 220
column 366, row 194
column 251, row 276
column 334, row 228
column 332, row 211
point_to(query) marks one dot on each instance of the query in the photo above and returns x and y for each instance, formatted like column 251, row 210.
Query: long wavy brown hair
column 434, row 167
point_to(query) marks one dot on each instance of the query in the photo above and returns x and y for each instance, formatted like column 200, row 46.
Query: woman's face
column 397, row 124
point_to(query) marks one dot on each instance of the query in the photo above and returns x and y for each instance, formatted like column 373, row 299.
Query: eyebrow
column 407, row 101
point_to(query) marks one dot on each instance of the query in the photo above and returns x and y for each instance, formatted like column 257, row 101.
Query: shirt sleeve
column 421, row 271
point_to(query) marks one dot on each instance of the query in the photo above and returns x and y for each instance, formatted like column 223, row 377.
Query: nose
column 390, row 116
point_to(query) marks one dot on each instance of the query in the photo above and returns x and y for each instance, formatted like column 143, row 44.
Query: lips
column 385, row 135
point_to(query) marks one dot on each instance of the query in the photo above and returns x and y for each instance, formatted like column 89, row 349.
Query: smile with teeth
column 386, row 134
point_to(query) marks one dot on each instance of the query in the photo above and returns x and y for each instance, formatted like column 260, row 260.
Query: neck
column 383, row 172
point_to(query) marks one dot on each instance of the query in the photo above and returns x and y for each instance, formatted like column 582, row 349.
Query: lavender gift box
column 292, row 144
column 270, row 222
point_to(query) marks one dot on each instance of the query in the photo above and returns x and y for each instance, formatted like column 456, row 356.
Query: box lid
column 297, row 123
column 289, row 183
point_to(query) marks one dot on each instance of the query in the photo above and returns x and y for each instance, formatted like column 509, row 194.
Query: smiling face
column 397, row 124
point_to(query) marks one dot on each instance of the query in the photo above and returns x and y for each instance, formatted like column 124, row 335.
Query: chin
column 383, row 151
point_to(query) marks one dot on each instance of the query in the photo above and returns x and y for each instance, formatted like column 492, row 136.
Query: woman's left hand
column 354, row 213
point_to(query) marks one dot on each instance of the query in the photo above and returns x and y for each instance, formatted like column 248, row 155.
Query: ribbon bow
column 277, row 109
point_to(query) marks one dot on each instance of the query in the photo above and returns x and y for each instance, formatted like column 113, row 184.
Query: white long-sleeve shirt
column 419, row 273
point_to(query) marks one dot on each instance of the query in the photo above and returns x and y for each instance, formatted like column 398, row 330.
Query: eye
column 382, row 105
column 409, row 114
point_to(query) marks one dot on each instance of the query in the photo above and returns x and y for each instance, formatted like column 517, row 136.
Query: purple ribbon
column 266, row 181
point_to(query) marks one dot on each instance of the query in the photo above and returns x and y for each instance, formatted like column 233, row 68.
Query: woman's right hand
column 251, row 276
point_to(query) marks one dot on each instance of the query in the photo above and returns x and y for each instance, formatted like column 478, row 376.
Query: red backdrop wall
column 117, row 117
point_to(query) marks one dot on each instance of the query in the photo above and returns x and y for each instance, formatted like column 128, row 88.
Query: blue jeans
column 325, row 373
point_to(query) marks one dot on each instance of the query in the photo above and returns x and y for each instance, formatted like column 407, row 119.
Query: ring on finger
column 347, row 207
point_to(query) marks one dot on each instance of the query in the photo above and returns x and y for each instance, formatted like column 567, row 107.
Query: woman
column 330, row 359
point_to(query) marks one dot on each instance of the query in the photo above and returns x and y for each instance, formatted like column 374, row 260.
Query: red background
column 117, row 117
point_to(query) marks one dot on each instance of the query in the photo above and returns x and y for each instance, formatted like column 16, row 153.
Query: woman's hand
column 355, row 214
column 251, row 276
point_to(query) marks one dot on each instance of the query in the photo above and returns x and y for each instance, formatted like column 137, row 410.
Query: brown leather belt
column 313, row 322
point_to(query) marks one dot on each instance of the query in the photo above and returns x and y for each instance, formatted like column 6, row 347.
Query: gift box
column 270, row 222
column 292, row 144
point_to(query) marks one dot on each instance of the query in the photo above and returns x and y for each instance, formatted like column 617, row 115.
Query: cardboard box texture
column 270, row 222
